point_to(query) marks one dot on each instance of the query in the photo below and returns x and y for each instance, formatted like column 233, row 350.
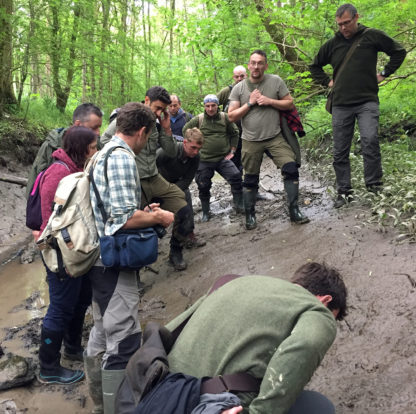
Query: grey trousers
column 343, row 122
column 115, row 308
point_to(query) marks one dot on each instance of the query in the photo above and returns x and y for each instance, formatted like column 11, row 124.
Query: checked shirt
column 121, row 195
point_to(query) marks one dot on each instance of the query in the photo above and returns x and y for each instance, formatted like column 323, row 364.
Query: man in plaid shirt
column 116, row 333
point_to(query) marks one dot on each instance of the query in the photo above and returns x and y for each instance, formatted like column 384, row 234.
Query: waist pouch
column 129, row 249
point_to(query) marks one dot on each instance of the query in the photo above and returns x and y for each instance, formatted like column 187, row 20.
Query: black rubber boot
column 292, row 191
column 51, row 371
column 206, row 215
column 175, row 255
column 238, row 203
column 249, row 197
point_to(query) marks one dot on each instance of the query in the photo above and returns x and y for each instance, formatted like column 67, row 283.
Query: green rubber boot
column 292, row 191
column 111, row 380
column 92, row 367
column 249, row 198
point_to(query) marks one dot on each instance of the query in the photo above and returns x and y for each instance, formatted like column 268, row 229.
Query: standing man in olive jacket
column 355, row 95
column 220, row 142
column 155, row 189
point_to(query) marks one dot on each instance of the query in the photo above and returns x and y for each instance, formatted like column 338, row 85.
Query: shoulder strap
column 349, row 54
column 100, row 203
column 200, row 119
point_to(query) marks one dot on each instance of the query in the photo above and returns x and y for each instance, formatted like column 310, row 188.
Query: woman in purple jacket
column 69, row 297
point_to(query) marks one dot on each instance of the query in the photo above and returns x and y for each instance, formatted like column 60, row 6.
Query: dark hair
column 346, row 7
column 133, row 116
column 259, row 52
column 322, row 280
column 75, row 143
column 82, row 112
column 157, row 93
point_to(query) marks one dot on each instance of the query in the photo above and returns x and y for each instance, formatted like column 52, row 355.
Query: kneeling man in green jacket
column 275, row 330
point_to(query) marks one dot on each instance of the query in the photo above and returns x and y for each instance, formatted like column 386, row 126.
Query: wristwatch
column 383, row 73
column 249, row 104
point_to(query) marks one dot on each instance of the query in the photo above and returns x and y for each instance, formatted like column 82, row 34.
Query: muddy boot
column 175, row 255
column 194, row 241
column 249, row 196
column 206, row 215
column 292, row 191
column 51, row 371
column 92, row 366
column 111, row 380
column 238, row 203
column 343, row 199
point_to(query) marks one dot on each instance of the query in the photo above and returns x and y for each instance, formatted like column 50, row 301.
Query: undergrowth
column 395, row 206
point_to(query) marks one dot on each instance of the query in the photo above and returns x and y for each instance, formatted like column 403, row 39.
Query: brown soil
column 369, row 369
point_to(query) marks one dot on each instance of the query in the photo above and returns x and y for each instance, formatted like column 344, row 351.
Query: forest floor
column 369, row 369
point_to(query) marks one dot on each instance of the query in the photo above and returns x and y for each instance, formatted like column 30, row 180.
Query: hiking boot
column 51, row 371
column 206, row 215
column 292, row 191
column 176, row 258
column 194, row 241
column 342, row 200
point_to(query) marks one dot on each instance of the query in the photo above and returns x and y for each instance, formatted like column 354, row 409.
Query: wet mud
column 371, row 366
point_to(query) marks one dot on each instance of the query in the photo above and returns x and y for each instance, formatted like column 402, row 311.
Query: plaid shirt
column 121, row 195
column 293, row 120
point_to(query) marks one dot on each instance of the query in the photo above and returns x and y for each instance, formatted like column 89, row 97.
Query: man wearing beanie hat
column 257, row 101
column 220, row 142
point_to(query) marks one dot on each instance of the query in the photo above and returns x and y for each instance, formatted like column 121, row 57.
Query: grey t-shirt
column 261, row 122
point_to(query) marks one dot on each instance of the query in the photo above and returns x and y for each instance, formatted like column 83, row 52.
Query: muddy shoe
column 176, row 259
column 342, row 200
column 60, row 375
column 194, row 241
column 375, row 188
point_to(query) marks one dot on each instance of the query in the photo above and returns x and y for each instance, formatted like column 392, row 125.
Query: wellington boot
column 292, row 191
column 206, row 215
column 176, row 257
column 238, row 203
column 51, row 371
column 92, row 366
column 249, row 197
column 111, row 380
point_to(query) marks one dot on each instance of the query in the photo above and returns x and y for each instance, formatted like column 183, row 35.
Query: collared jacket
column 178, row 122
column 180, row 169
column 358, row 80
column 146, row 160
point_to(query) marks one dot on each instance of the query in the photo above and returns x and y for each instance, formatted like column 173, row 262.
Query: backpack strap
column 200, row 119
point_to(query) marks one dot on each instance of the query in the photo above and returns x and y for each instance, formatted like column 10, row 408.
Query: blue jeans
column 343, row 122
column 69, row 299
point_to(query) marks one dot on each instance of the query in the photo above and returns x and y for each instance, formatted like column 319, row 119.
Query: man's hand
column 254, row 96
column 229, row 156
column 163, row 217
column 165, row 120
column 233, row 410
column 264, row 101
column 35, row 234
column 150, row 207
column 331, row 84
column 380, row 78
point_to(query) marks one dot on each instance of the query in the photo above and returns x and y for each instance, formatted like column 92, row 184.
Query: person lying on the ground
column 275, row 330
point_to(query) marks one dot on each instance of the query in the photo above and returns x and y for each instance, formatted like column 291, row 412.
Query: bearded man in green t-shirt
column 257, row 102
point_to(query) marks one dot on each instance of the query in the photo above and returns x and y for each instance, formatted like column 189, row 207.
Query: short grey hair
column 346, row 7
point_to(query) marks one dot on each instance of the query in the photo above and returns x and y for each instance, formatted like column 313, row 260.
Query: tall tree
column 7, row 95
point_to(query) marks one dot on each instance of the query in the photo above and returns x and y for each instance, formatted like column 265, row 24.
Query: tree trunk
column 277, row 33
column 7, row 96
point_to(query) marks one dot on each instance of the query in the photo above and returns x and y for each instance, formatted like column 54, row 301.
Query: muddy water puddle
column 23, row 298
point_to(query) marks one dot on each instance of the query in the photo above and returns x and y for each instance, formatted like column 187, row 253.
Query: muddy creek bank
column 371, row 366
